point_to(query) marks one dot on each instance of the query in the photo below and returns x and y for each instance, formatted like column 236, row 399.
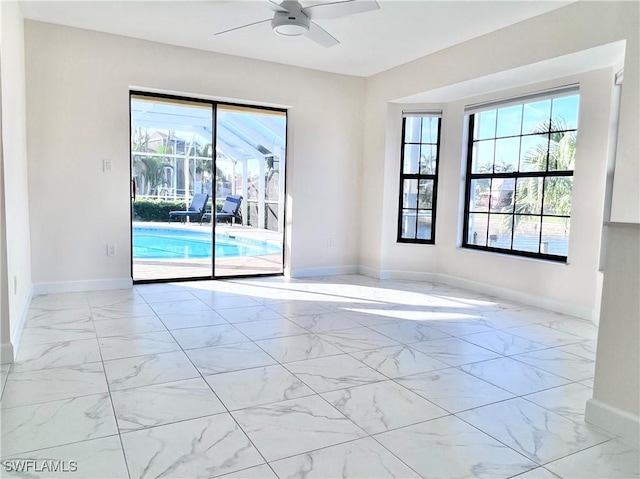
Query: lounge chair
column 196, row 209
column 230, row 210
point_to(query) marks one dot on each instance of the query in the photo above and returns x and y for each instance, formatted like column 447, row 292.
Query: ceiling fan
column 292, row 19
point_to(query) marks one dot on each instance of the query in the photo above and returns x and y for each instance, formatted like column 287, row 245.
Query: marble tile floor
column 343, row 376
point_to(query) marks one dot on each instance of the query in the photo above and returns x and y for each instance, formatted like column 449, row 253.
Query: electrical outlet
column 106, row 166
column 329, row 243
column 111, row 249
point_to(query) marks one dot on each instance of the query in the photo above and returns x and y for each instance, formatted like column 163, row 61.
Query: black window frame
column 547, row 173
column 419, row 176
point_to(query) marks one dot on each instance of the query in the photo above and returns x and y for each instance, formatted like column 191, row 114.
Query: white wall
column 625, row 207
column 616, row 394
column 17, row 282
column 570, row 287
column 575, row 28
column 571, row 29
column 78, row 113
column 6, row 349
column 341, row 144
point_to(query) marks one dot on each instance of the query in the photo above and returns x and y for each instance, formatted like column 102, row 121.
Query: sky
column 515, row 120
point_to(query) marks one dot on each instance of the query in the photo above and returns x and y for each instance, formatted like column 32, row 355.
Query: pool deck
column 147, row 269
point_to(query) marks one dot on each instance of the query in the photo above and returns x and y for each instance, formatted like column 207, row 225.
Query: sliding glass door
column 250, row 165
column 196, row 214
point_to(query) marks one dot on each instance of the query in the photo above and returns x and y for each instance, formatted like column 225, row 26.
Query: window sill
column 502, row 254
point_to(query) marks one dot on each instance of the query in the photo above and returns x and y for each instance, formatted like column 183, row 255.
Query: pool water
column 169, row 243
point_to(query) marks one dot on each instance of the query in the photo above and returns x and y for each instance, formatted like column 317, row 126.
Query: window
column 418, row 177
column 519, row 179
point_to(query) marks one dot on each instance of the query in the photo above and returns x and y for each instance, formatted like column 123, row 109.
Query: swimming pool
column 172, row 243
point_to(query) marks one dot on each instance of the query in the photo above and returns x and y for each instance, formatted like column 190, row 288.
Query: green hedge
column 158, row 210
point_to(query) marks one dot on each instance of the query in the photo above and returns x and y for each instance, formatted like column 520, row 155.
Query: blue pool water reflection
column 171, row 243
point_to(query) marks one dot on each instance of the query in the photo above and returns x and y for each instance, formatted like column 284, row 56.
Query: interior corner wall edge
column 14, row 142
column 625, row 205
column 577, row 27
column 6, row 349
column 78, row 113
column 614, row 420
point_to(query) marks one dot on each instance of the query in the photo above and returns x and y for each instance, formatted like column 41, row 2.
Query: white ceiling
column 371, row 42
column 611, row 54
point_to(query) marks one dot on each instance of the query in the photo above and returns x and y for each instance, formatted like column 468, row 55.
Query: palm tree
column 149, row 167
column 556, row 190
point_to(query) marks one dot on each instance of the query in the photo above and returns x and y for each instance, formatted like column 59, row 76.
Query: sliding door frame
column 214, row 106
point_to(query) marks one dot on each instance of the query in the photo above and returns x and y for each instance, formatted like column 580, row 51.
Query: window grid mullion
column 523, row 174
column 544, row 189
column 418, row 177
column 569, row 130
column 543, row 177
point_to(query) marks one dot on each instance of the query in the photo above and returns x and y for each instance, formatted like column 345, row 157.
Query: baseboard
column 612, row 419
column 16, row 333
column 6, row 353
column 396, row 274
column 373, row 273
column 413, row 276
column 518, row 296
column 79, row 286
column 322, row 271
column 505, row 293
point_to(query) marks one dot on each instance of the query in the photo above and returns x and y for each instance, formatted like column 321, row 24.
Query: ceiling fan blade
column 243, row 26
column 321, row 36
column 340, row 9
column 275, row 6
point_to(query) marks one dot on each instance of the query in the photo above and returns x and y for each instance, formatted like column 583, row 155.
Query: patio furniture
column 230, row 210
column 196, row 208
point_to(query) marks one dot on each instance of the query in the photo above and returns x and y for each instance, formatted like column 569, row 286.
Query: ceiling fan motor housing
column 290, row 23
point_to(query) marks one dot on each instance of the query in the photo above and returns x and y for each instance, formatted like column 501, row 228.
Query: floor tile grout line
column 113, row 409
column 511, row 392
column 392, row 379
column 394, row 454
column 222, row 476
column 317, row 394
column 228, row 412
column 342, row 444
column 498, row 440
column 454, row 414
column 271, row 402
column 354, row 423
column 72, row 443
column 347, row 417
column 171, row 423
column 67, row 367
column 515, row 476
column 580, row 451
column 142, row 355
column 224, row 372
column 519, row 452
column 571, row 382
column 8, row 408
column 548, row 372
column 427, row 340
column 55, row 367
column 153, row 384
column 4, row 384
column 297, row 360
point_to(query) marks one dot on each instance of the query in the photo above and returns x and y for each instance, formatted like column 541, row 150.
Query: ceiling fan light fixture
column 290, row 24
